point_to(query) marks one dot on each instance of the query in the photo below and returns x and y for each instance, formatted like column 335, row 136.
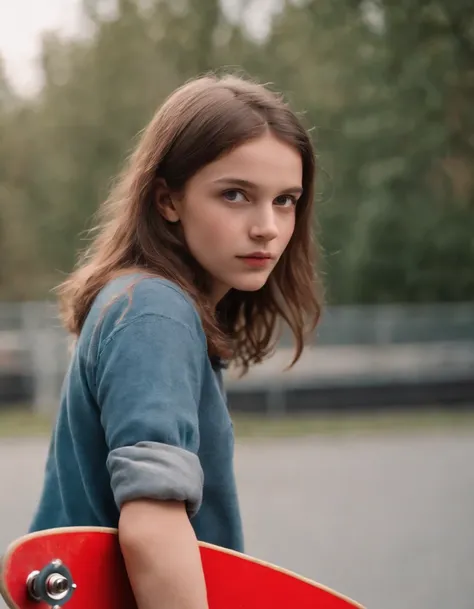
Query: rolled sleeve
column 148, row 386
column 156, row 471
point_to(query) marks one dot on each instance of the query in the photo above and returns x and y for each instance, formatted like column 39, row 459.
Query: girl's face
column 238, row 213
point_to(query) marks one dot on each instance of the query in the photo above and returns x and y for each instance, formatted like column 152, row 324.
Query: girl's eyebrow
column 250, row 185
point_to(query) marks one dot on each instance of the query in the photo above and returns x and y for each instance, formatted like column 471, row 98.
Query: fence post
column 275, row 398
column 42, row 339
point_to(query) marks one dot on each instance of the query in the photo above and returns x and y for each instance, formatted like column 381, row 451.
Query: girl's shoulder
column 129, row 298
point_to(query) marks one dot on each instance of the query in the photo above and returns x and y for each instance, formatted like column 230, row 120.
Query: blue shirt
column 143, row 414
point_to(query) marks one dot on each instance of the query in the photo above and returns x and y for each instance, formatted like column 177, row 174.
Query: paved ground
column 386, row 520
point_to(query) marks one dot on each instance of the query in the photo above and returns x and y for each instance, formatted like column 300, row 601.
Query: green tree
column 386, row 88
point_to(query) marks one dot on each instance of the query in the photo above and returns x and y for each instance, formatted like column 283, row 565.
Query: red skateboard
column 82, row 568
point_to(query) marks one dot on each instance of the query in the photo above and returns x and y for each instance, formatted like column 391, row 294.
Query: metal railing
column 352, row 342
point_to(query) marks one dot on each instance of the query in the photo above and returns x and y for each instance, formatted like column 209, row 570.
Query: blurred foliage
column 386, row 87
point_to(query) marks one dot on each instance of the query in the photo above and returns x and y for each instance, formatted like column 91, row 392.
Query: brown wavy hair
column 199, row 122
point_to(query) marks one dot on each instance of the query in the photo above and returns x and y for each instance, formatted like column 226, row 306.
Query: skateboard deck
column 82, row 568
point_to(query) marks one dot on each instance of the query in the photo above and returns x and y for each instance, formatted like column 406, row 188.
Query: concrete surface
column 387, row 520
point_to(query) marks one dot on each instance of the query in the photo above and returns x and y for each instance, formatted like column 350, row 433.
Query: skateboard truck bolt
column 57, row 586
column 52, row 585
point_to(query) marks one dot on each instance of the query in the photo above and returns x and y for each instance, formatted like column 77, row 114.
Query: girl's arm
column 148, row 382
column 162, row 555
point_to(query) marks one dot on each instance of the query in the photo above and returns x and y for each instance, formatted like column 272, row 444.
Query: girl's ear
column 164, row 202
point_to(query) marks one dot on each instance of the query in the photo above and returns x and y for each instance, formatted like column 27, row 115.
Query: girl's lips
column 256, row 261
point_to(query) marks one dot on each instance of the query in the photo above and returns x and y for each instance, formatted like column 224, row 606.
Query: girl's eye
column 285, row 200
column 233, row 196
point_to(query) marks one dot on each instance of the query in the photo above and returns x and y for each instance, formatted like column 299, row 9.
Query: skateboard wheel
column 52, row 585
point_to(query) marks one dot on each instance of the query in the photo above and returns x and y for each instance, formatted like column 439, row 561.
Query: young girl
column 205, row 244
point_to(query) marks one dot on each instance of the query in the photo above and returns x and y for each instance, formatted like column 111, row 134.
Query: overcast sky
column 21, row 22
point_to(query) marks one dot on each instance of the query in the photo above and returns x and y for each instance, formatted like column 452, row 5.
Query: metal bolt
column 57, row 586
